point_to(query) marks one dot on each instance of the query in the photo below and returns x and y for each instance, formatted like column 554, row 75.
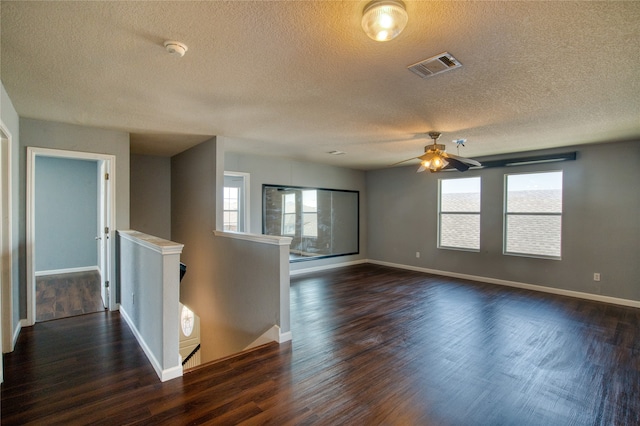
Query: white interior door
column 1, row 270
column 103, row 233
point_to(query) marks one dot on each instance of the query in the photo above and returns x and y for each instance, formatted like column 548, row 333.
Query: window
column 310, row 213
column 320, row 222
column 231, row 209
column 186, row 321
column 289, row 214
column 235, row 202
column 533, row 214
column 459, row 213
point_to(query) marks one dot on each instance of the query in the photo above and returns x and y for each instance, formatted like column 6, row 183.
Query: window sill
column 257, row 238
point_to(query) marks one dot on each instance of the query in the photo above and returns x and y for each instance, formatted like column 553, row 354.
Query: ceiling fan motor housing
column 435, row 147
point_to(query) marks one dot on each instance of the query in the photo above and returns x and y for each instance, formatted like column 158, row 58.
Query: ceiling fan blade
column 458, row 165
column 403, row 161
column 468, row 161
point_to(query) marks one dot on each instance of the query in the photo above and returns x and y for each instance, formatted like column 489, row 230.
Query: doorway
column 236, row 202
column 93, row 247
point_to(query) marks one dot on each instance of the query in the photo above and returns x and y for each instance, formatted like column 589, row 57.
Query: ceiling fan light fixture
column 436, row 163
column 435, row 158
column 383, row 20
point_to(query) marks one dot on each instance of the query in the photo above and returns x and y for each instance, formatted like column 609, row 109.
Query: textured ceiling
column 300, row 78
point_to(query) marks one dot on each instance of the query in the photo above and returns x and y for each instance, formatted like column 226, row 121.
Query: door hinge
column 106, row 176
column 106, row 229
column 106, row 284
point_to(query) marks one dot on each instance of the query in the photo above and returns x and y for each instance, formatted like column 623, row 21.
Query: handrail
column 193, row 352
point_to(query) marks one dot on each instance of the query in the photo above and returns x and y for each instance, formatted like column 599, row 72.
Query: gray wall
column 150, row 290
column 600, row 223
column 151, row 195
column 236, row 302
column 66, row 214
column 47, row 134
column 280, row 171
column 10, row 119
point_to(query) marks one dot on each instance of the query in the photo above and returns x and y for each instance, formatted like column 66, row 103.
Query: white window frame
column 286, row 213
column 243, row 200
column 226, row 210
column 306, row 213
column 506, row 215
column 440, row 213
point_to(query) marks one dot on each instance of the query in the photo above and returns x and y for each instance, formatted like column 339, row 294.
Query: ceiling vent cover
column 435, row 65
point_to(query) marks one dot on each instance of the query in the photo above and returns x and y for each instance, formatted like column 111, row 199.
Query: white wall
column 600, row 225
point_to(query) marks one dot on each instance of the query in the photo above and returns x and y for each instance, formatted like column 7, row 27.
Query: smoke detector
column 176, row 48
column 435, row 65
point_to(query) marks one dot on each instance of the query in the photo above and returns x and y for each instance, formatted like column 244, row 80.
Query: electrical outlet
column 596, row 276
column 417, row 255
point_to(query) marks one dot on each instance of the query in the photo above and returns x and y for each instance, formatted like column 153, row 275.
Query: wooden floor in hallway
column 371, row 345
column 68, row 294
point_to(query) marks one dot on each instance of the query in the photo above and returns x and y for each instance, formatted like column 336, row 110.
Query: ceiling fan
column 435, row 158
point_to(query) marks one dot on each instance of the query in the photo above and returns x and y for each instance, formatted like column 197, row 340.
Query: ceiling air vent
column 435, row 65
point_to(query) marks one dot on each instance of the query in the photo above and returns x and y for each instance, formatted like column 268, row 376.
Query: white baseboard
column 16, row 332
column 163, row 374
column 172, row 373
column 326, row 267
column 67, row 271
column 284, row 337
column 534, row 287
column 274, row 334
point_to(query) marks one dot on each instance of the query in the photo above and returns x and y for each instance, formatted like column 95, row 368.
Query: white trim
column 284, row 337
column 68, row 271
column 7, row 344
column 274, row 334
column 534, row 287
column 172, row 373
column 256, row 238
column 32, row 153
column 271, row 335
column 163, row 375
column 327, row 267
column 30, row 231
column 159, row 245
column 506, row 214
column 16, row 332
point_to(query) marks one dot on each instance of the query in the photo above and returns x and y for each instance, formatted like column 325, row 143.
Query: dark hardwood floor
column 371, row 345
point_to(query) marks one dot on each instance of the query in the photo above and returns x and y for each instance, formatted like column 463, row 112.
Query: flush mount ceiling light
column 383, row 20
column 176, row 48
